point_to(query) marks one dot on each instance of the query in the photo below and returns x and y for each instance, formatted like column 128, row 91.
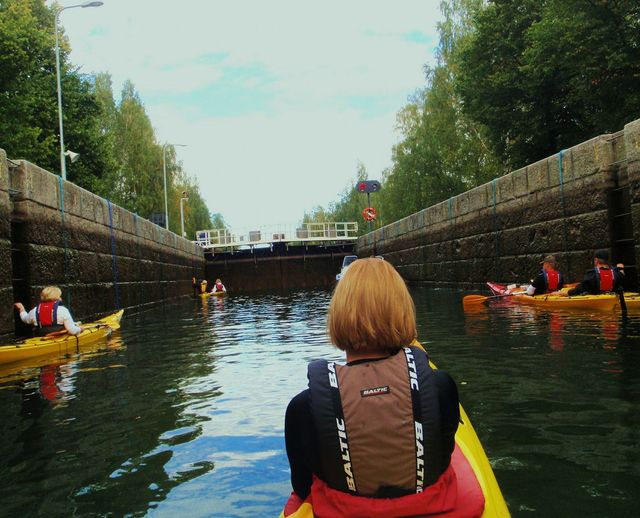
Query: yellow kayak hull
column 212, row 294
column 606, row 302
column 61, row 345
column 470, row 446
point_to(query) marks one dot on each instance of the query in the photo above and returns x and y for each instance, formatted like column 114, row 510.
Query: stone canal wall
column 581, row 199
column 6, row 288
column 101, row 255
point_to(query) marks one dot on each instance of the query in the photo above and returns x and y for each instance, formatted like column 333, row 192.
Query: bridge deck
column 222, row 240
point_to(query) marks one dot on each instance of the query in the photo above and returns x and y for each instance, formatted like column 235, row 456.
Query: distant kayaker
column 603, row 278
column 378, row 432
column 50, row 315
column 548, row 280
column 218, row 287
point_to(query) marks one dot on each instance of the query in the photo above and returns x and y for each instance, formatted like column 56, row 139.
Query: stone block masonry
column 570, row 204
column 101, row 255
column 6, row 287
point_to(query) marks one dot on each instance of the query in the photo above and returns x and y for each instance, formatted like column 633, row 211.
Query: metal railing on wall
column 221, row 238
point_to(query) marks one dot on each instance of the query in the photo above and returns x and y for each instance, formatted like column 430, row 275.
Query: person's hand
column 561, row 293
column 19, row 306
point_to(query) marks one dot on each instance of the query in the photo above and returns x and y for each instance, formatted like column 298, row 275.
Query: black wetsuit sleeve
column 301, row 443
column 539, row 284
column 560, row 281
column 449, row 414
column 588, row 285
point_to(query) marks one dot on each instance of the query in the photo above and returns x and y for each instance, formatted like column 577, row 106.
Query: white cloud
column 300, row 145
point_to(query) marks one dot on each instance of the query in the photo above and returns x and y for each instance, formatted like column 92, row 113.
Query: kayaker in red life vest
column 603, row 278
column 548, row 280
column 50, row 315
column 218, row 287
column 374, row 437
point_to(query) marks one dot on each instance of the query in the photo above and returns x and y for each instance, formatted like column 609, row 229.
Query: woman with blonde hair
column 49, row 315
column 373, row 437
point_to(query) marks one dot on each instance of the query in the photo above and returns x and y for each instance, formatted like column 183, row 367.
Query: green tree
column 28, row 96
column 443, row 152
column 542, row 75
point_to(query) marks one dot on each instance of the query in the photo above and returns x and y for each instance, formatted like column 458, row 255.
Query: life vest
column 605, row 278
column 378, row 427
column 47, row 318
column 47, row 313
column 347, row 403
column 219, row 286
column 552, row 279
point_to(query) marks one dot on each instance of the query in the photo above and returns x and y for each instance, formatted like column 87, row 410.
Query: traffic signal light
column 368, row 186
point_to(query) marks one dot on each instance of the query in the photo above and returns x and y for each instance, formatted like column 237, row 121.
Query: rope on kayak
column 64, row 238
column 114, row 262
column 565, row 240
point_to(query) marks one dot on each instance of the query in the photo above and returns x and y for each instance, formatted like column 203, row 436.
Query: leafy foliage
column 121, row 158
column 543, row 75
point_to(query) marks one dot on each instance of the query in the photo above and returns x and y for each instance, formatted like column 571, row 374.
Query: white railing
column 306, row 232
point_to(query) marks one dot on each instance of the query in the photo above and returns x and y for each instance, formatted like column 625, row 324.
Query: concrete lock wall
column 6, row 288
column 282, row 268
column 632, row 154
column 101, row 255
column 568, row 205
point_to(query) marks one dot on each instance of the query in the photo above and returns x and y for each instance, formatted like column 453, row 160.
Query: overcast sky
column 277, row 100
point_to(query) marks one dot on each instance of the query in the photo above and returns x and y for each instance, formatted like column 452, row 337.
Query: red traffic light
column 368, row 186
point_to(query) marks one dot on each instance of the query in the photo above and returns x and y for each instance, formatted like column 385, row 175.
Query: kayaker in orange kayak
column 50, row 315
column 374, row 437
column 603, row 278
column 548, row 280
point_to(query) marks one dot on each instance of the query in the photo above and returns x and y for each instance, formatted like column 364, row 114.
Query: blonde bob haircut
column 50, row 293
column 371, row 309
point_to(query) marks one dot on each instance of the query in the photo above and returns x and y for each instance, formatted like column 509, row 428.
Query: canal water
column 181, row 412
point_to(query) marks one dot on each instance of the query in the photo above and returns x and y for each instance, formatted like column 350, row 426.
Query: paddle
column 481, row 299
column 55, row 334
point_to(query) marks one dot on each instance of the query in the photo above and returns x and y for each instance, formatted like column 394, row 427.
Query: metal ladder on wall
column 621, row 229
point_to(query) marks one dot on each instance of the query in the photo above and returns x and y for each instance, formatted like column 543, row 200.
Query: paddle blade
column 474, row 299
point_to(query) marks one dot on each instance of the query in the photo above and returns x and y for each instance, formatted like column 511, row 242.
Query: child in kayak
column 49, row 315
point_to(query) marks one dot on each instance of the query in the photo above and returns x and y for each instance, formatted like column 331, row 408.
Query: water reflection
column 182, row 413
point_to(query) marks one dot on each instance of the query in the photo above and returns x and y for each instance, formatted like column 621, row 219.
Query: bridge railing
column 266, row 235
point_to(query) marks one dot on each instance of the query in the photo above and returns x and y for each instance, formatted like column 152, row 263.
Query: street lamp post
column 164, row 171
column 63, row 163
column 184, row 198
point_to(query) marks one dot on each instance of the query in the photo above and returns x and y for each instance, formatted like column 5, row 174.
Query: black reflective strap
column 430, row 417
column 341, row 431
column 326, row 408
column 418, row 427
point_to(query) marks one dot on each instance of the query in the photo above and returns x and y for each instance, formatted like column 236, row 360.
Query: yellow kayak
column 468, row 451
column 60, row 344
column 607, row 301
column 213, row 294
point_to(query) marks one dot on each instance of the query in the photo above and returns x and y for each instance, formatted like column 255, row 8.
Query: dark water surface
column 181, row 413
